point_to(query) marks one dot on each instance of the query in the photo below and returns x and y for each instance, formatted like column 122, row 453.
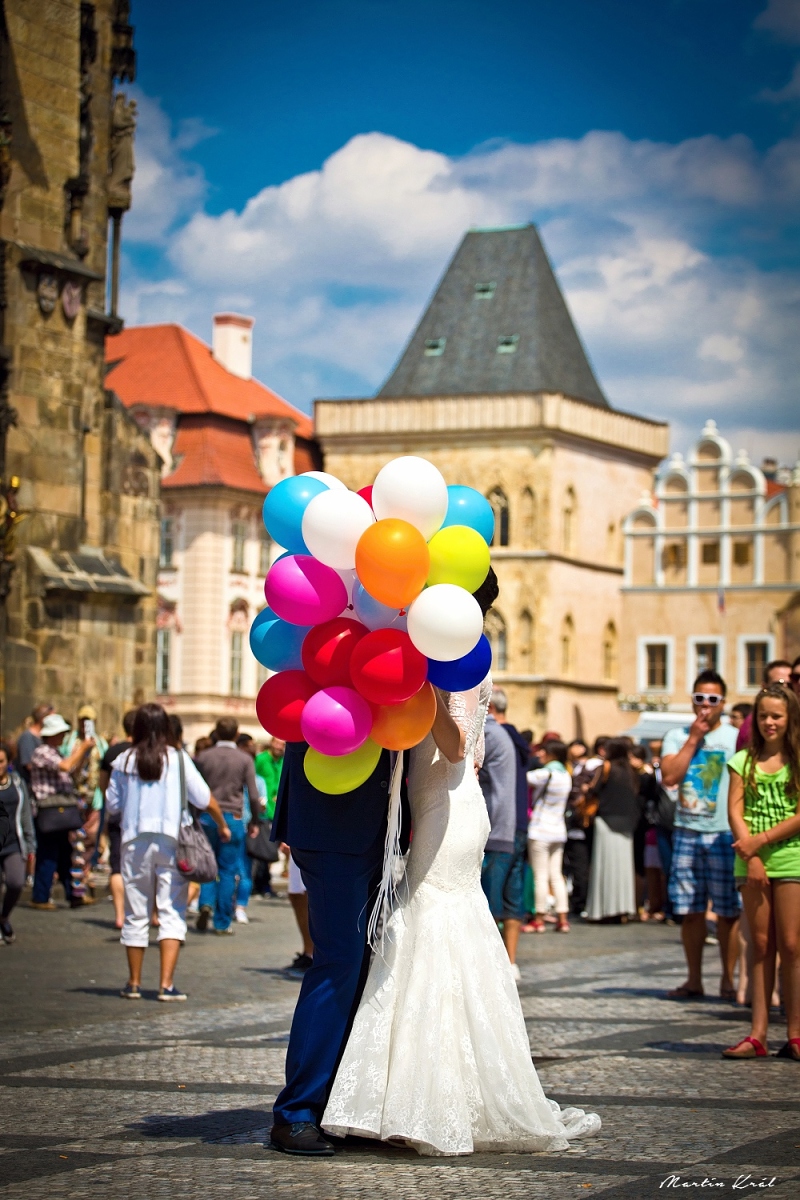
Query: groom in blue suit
column 338, row 844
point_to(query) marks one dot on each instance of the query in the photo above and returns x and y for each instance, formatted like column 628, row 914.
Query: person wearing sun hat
column 53, row 789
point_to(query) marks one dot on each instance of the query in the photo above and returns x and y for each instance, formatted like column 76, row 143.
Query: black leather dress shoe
column 302, row 1138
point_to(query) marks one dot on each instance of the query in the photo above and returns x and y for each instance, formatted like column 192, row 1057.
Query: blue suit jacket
column 312, row 820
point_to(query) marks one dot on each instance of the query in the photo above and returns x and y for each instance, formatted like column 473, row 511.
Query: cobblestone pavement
column 148, row 1100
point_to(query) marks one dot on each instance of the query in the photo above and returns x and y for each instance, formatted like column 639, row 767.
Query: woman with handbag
column 57, row 808
column 150, row 786
column 18, row 843
column 615, row 790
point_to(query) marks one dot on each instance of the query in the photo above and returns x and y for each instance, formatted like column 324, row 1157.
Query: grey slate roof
column 525, row 308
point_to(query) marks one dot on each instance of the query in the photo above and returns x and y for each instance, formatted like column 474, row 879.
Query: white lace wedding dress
column 438, row 1056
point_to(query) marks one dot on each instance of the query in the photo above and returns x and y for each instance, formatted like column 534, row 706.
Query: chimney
column 232, row 343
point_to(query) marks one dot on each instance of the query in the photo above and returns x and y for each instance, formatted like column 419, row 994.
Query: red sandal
column 791, row 1050
column 755, row 1050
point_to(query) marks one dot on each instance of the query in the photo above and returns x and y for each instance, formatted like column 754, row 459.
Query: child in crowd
column 764, row 813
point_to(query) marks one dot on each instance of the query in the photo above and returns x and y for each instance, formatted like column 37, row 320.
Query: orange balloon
column 401, row 726
column 392, row 561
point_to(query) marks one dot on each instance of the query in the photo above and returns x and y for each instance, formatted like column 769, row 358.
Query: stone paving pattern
column 140, row 1100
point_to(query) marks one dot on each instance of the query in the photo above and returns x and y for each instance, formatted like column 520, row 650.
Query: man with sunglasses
column 778, row 671
column 694, row 762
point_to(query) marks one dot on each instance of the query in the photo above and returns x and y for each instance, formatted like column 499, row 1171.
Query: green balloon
column 342, row 773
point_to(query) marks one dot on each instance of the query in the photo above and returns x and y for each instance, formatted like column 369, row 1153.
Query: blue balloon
column 284, row 508
column 465, row 506
column 463, row 673
column 372, row 613
column 275, row 643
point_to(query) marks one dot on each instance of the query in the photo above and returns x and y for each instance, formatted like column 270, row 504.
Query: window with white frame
column 237, row 640
column 239, row 533
column 755, row 650
column 163, row 648
column 655, row 659
column 167, row 542
column 704, row 654
column 265, row 553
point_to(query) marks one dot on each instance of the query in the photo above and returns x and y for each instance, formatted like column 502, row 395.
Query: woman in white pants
column 145, row 788
column 547, row 834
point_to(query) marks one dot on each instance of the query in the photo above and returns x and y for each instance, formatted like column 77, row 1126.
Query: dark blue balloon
column 462, row 673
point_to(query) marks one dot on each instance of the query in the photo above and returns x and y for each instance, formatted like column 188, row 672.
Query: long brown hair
column 791, row 739
column 618, row 757
column 150, row 733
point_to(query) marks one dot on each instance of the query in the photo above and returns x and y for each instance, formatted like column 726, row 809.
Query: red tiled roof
column 165, row 366
column 214, row 450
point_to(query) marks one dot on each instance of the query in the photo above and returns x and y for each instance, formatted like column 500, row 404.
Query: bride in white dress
column 438, row 1056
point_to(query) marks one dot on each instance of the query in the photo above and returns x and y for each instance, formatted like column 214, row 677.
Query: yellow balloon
column 338, row 774
column 459, row 555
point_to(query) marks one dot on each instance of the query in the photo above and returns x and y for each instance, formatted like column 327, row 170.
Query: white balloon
column 445, row 622
column 332, row 524
column 412, row 489
column 333, row 483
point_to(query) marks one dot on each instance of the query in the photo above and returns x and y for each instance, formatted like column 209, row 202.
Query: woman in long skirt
column 612, row 891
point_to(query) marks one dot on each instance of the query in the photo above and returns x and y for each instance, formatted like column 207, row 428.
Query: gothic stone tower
column 77, row 590
column 495, row 388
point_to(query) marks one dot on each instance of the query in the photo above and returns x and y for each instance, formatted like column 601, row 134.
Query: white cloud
column 166, row 187
column 782, row 18
column 336, row 264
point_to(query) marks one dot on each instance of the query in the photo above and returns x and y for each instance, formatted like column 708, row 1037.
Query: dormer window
column 508, row 344
column 434, row 347
column 485, row 291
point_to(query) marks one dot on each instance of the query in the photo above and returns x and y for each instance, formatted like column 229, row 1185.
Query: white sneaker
column 240, row 916
column 193, row 910
column 515, row 973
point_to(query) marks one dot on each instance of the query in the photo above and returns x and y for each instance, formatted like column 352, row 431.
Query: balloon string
column 387, row 898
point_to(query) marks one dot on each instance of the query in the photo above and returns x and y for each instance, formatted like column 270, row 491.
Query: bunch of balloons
column 370, row 605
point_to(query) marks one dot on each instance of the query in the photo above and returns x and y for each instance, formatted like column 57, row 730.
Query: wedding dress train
column 438, row 1056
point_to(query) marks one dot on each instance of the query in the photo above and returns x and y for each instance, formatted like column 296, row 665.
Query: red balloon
column 327, row 649
column 366, row 492
column 281, row 701
column 386, row 667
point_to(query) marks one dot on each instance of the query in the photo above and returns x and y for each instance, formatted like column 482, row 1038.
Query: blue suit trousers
column 341, row 890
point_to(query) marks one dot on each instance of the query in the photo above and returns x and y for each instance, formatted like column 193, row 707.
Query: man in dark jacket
column 337, row 842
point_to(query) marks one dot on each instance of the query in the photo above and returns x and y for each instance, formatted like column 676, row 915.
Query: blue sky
column 316, row 164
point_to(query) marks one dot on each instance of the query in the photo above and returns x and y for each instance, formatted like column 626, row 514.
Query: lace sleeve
column 484, row 696
column 464, row 708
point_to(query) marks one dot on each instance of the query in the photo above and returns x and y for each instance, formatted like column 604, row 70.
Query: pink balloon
column 336, row 721
column 303, row 591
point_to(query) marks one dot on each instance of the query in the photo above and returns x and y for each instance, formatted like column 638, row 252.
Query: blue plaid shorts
column 702, row 870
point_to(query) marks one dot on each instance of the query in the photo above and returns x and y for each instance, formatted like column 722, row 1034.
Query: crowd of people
column 701, row 829
column 74, row 806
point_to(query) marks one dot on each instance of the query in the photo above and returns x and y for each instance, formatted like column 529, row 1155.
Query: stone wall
column 87, row 475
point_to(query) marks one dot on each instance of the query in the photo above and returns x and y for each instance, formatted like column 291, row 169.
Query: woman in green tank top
column 764, row 813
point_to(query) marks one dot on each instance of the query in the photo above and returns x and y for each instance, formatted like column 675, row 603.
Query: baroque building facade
column 223, row 440
column 495, row 388
column 712, row 579
column 79, row 514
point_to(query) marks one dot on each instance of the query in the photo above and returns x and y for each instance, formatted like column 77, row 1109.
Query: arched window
column 610, row 652
column 496, row 633
column 529, row 519
column 568, row 519
column 567, row 646
column 499, row 502
column 526, row 643
column 237, row 623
